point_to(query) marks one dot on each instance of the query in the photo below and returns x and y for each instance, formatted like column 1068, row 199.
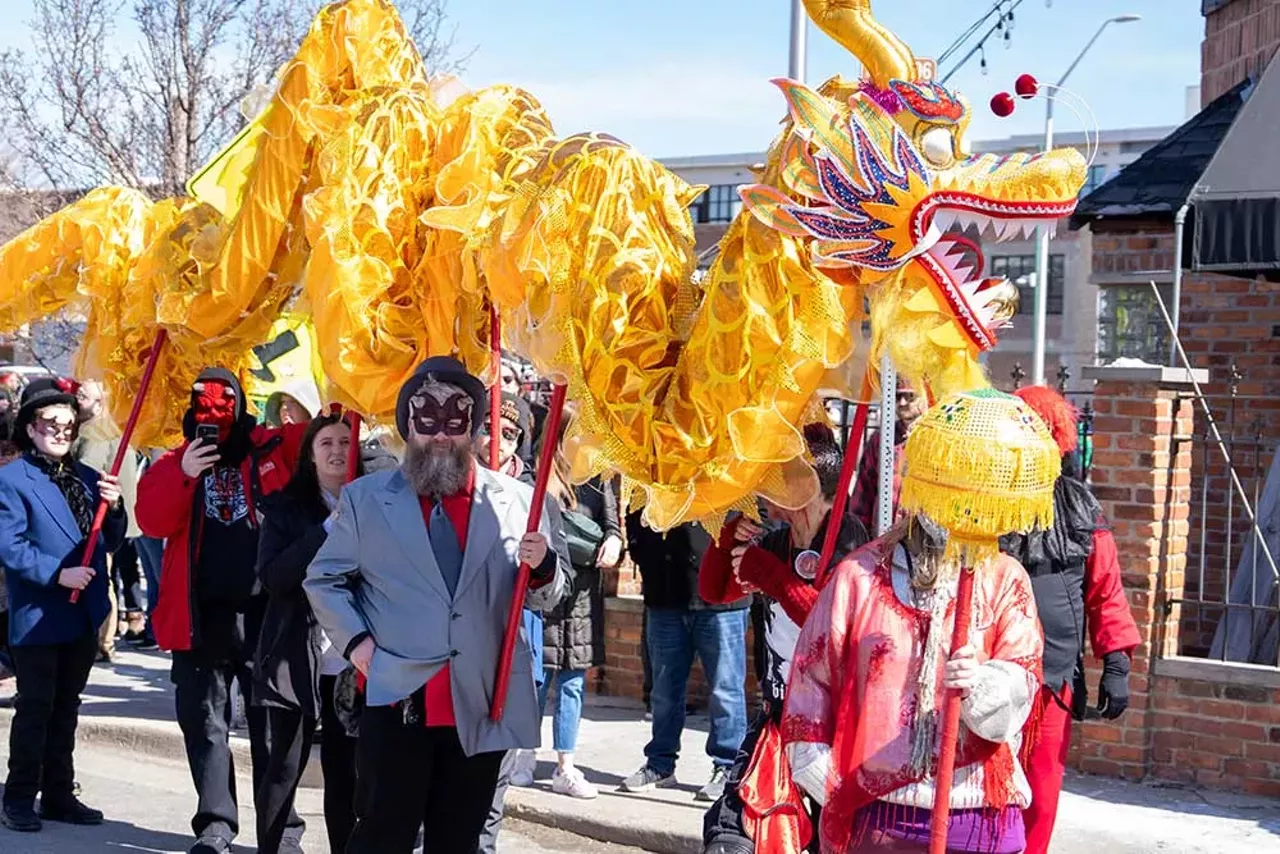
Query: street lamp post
column 1042, row 233
column 799, row 33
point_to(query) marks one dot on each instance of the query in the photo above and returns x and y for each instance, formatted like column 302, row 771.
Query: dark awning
column 1158, row 184
column 1237, row 199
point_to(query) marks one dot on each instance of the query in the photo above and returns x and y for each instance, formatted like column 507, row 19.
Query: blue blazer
column 38, row 537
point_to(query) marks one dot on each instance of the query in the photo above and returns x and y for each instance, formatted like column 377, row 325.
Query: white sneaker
column 569, row 781
column 522, row 774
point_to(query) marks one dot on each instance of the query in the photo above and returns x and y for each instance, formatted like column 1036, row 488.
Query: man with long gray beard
column 414, row 584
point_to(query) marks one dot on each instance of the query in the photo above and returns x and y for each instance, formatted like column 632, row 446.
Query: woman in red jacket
column 1075, row 575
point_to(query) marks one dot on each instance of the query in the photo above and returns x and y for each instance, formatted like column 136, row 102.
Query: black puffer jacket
column 1055, row 560
column 573, row 634
column 287, row 664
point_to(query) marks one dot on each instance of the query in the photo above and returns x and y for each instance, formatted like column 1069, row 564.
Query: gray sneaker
column 714, row 790
column 647, row 779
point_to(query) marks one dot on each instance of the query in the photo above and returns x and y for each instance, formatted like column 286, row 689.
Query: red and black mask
column 214, row 402
column 440, row 408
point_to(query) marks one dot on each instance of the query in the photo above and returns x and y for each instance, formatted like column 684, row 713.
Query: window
column 719, row 204
column 1138, row 147
column 1130, row 324
column 1096, row 178
column 1014, row 267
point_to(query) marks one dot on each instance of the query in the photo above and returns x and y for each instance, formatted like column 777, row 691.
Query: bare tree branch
column 79, row 110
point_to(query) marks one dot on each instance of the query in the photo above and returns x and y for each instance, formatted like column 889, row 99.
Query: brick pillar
column 1142, row 476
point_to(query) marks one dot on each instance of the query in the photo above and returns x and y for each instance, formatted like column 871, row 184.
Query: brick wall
column 1240, row 39
column 1224, row 321
column 1132, row 246
column 1189, row 720
column 1228, row 322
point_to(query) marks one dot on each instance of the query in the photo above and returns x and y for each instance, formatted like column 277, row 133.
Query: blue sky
column 683, row 77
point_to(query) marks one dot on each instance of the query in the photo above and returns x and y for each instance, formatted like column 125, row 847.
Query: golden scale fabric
column 394, row 218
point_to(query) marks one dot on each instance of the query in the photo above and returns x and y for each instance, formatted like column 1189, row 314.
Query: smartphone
column 207, row 434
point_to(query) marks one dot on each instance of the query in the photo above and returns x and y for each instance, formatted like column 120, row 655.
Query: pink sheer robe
column 852, row 697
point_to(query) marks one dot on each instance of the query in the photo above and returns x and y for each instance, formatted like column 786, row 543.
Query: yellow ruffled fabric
column 395, row 221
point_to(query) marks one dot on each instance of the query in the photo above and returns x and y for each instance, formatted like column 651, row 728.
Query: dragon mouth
column 952, row 226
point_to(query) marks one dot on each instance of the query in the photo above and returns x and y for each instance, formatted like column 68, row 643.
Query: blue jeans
column 570, row 685
column 719, row 639
column 150, row 553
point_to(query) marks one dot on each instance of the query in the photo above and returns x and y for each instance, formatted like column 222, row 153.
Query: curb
column 161, row 740
column 518, row 806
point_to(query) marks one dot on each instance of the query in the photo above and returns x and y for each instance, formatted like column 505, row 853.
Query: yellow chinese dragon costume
column 395, row 217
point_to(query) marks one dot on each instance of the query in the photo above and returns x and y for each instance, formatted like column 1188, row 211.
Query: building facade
column 1240, row 38
column 1078, row 310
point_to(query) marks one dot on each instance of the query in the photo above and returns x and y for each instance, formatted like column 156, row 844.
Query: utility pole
column 799, row 41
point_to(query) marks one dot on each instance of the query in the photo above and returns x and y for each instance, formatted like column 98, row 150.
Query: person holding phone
column 203, row 497
column 47, row 504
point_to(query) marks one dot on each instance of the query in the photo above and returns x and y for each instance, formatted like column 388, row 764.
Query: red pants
column 1045, row 766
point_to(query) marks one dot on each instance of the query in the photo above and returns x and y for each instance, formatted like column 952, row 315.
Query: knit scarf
column 63, row 474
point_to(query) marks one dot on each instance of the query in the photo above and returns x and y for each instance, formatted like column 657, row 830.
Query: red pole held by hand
column 852, row 451
column 162, row 336
column 950, row 722
column 514, row 615
column 495, row 390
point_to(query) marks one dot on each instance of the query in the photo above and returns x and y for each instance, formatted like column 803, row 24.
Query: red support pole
column 148, row 373
column 353, row 453
column 950, row 722
column 495, row 390
column 514, row 616
column 852, row 451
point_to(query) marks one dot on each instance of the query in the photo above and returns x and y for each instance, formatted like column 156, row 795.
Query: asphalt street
column 148, row 804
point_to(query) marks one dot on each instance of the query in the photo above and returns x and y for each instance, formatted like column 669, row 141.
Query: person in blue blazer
column 47, row 503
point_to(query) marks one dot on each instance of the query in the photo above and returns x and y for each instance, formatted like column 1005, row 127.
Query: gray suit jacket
column 376, row 572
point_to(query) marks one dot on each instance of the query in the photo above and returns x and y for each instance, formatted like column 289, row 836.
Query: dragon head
column 878, row 180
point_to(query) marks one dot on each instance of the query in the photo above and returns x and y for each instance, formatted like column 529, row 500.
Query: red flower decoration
column 66, row 386
column 1027, row 86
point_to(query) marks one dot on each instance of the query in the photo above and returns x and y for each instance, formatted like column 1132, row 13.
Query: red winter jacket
column 1111, row 624
column 164, row 510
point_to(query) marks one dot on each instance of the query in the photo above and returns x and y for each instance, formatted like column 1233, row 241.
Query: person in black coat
column 295, row 669
column 573, row 634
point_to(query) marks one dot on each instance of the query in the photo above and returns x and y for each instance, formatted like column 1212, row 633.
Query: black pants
column 124, row 573
column 202, row 693
column 6, row 659
column 722, row 824
column 42, row 736
column 290, row 735
column 410, row 775
column 488, row 843
column 338, row 762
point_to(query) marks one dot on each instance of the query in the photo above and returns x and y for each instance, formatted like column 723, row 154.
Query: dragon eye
column 936, row 145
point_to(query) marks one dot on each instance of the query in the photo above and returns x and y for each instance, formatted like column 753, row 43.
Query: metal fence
column 1229, row 605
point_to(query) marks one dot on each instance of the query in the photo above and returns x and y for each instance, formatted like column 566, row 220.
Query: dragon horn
column 850, row 24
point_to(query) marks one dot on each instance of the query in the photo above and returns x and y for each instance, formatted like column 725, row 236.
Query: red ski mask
column 214, row 402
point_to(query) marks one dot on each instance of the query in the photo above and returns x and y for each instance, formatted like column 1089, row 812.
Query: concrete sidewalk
column 130, row 705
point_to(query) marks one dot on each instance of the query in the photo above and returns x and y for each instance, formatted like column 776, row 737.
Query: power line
column 1003, row 25
column 997, row 7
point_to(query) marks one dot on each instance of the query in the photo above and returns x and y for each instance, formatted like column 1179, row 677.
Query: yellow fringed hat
column 981, row 464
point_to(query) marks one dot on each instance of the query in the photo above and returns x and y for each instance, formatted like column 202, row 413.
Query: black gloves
column 1113, row 688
